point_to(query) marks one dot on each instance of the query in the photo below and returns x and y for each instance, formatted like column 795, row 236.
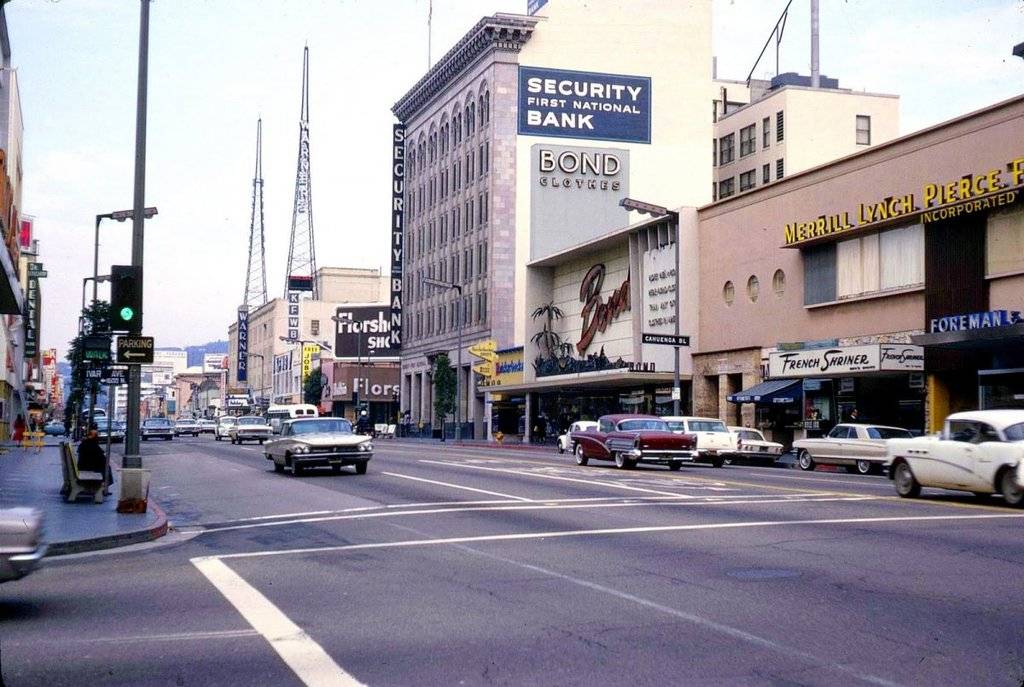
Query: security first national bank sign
column 590, row 105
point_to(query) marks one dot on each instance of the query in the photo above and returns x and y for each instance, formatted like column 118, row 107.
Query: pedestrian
column 19, row 428
column 363, row 423
column 854, row 415
column 91, row 457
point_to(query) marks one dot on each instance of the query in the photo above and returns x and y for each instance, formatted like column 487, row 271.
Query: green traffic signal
column 127, row 314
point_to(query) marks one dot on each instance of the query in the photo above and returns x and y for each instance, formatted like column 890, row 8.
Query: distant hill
column 196, row 353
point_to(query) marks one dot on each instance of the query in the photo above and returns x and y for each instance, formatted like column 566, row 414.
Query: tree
column 547, row 338
column 444, row 388
column 95, row 318
column 313, row 387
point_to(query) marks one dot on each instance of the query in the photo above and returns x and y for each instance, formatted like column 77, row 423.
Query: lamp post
column 303, row 342
column 458, row 375
column 120, row 216
column 263, row 359
column 95, row 279
column 673, row 220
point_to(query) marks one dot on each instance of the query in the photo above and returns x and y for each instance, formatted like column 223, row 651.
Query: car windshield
column 707, row 426
column 751, row 435
column 227, row 420
column 634, row 425
column 676, row 426
column 1015, row 432
column 888, row 433
column 250, row 421
column 157, row 423
column 333, row 425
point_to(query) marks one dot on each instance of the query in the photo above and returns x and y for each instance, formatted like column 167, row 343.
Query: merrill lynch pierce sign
column 834, row 362
column 570, row 104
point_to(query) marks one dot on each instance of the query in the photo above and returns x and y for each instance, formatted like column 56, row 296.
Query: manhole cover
column 762, row 573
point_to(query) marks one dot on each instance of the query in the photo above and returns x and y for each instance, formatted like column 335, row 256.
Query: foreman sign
column 571, row 104
column 834, row 362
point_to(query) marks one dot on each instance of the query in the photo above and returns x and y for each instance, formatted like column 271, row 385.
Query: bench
column 389, row 431
column 78, row 482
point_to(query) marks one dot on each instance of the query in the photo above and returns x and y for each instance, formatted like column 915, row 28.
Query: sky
column 217, row 65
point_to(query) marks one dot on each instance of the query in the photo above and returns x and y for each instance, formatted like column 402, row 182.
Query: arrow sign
column 135, row 349
column 485, row 349
column 486, row 369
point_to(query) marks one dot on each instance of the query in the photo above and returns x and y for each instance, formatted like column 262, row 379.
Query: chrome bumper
column 16, row 566
column 656, row 456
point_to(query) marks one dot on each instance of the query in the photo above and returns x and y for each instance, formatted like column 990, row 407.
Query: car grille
column 334, row 449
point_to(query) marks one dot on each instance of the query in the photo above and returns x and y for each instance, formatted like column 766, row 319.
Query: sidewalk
column 28, row 478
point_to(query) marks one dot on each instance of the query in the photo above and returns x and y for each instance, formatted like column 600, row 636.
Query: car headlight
column 302, row 449
column 366, row 446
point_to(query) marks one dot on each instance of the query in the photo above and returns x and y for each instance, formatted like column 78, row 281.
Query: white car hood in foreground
column 20, row 528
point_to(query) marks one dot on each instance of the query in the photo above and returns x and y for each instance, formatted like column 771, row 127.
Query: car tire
column 336, row 469
column 621, row 462
column 168, row 438
column 217, row 437
column 804, row 460
column 864, row 467
column 561, row 448
column 907, row 485
column 1012, row 492
column 675, row 465
column 145, row 438
column 581, row 459
column 296, row 470
column 717, row 462
column 195, row 434
column 278, row 467
column 362, row 467
column 729, row 461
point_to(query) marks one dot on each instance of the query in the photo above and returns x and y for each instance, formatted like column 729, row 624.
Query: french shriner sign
column 364, row 331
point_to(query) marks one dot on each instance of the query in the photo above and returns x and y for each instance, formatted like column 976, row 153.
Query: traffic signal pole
column 132, row 459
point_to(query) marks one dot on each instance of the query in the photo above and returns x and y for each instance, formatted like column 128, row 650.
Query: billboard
column 592, row 105
column 364, row 332
column 397, row 230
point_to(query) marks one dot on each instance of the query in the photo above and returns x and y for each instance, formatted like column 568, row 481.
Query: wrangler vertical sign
column 242, row 349
column 397, row 230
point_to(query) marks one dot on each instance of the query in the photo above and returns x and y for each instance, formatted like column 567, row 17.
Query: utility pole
column 132, row 459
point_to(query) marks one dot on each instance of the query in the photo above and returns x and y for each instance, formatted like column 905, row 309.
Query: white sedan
column 980, row 451
column 858, row 447
column 565, row 441
column 751, row 446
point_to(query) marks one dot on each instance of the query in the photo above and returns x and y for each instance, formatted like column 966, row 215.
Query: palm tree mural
column 547, row 339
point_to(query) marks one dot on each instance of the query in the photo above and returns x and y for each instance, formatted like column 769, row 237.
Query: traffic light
column 126, row 299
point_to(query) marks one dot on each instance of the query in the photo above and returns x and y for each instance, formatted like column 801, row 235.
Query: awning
column 770, row 392
column 986, row 339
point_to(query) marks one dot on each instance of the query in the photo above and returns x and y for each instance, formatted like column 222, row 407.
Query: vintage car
column 250, row 428
column 632, row 439
column 186, row 426
column 113, row 428
column 157, row 428
column 21, row 545
column 979, row 451
column 714, row 443
column 207, row 426
column 223, row 428
column 750, row 446
column 319, row 442
column 565, row 440
column 858, row 447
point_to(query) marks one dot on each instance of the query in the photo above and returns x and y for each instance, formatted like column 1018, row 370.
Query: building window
column 748, row 140
column 714, row 191
column 780, row 127
column 780, row 169
column 714, row 152
column 1004, row 242
column 729, row 293
column 314, row 327
column 779, row 283
column 726, row 149
column 748, row 180
column 726, row 187
column 863, row 130
column 893, row 259
column 753, row 288
column 766, row 174
column 766, row 132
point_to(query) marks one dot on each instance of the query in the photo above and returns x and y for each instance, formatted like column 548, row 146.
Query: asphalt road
column 467, row 566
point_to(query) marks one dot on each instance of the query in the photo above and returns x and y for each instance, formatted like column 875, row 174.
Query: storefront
column 353, row 387
column 505, row 411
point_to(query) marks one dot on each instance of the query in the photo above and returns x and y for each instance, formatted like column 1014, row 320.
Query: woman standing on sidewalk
column 19, row 428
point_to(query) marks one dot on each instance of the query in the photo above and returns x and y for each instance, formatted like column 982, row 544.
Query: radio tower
column 256, row 274
column 301, row 250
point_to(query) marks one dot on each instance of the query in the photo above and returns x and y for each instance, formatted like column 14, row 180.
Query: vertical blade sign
column 397, row 230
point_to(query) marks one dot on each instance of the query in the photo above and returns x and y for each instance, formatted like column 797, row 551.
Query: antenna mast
column 256, row 274
column 301, row 274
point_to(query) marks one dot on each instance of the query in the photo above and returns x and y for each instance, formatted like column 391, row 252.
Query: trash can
column 134, row 490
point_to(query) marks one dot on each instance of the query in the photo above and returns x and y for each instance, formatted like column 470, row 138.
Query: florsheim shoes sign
column 591, row 105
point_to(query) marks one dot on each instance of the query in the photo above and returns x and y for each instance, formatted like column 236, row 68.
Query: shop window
column 726, row 149
column 729, row 293
column 863, row 130
column 779, row 283
column 748, row 140
column 1004, row 245
column 753, row 288
column 748, row 180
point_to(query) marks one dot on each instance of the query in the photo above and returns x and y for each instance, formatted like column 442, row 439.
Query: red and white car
column 632, row 439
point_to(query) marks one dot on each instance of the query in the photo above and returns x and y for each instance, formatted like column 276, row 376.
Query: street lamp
column 95, row 280
column 673, row 220
column 458, row 376
column 120, row 216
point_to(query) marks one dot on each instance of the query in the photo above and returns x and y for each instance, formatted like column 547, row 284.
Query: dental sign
column 590, row 105
column 834, row 362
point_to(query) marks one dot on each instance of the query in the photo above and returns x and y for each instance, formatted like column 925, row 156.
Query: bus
column 278, row 414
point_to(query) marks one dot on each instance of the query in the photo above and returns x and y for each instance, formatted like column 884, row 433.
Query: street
column 470, row 565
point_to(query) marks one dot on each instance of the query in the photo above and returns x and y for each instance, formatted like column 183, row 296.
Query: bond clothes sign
column 364, row 332
column 834, row 362
column 574, row 195
column 242, row 348
column 571, row 104
column 397, row 229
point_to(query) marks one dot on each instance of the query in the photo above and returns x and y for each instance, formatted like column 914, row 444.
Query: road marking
column 526, row 473
column 313, row 666
column 457, row 486
column 556, row 534
column 173, row 637
column 502, row 506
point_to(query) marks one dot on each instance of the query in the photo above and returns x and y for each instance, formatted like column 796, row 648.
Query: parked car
column 319, row 442
column 714, row 443
column 979, row 451
column 157, row 428
column 116, row 429
column 21, row 542
column 207, row 426
column 54, row 429
column 250, row 428
column 224, row 424
column 859, row 447
column 565, row 440
column 749, row 445
column 186, row 426
column 632, row 439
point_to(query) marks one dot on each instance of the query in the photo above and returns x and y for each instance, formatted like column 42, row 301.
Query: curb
column 112, row 541
column 483, row 445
